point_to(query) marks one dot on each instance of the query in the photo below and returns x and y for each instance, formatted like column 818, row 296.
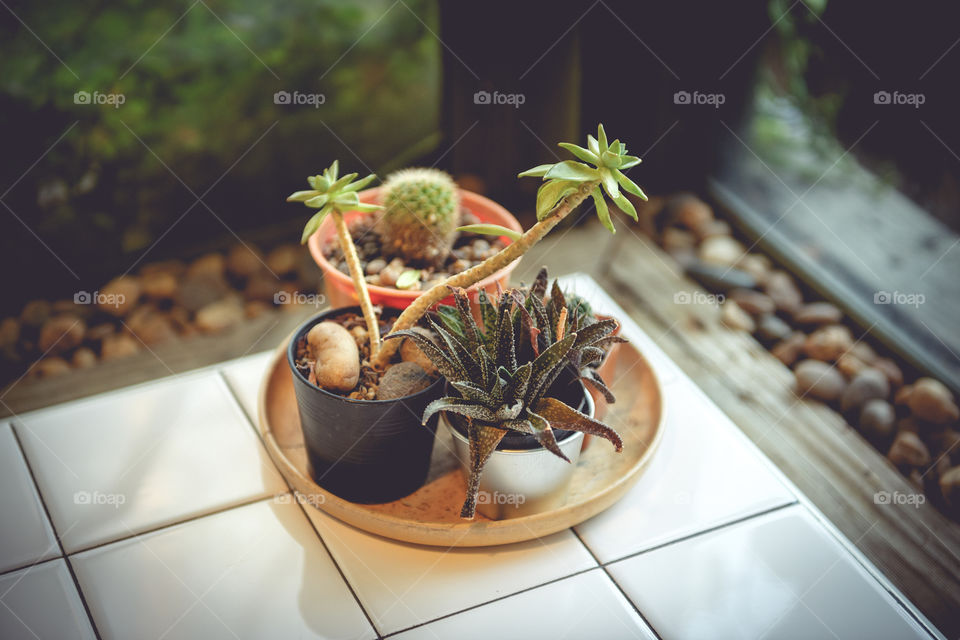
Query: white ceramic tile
column 25, row 534
column 257, row 571
column 588, row 288
column 244, row 377
column 42, row 602
column 702, row 475
column 402, row 585
column 587, row 606
column 780, row 575
column 135, row 460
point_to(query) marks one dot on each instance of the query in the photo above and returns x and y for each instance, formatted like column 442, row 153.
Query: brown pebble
column 284, row 260
column 403, row 379
column 720, row 251
column 819, row 380
column 119, row 296
column 788, row 350
column 160, row 285
column 61, row 334
column 50, row 367
column 244, row 260
column 753, row 302
column 712, row 229
column 83, row 358
column 816, row 314
column 689, row 211
column 674, row 238
column 865, row 352
column 850, row 365
column 828, row 343
column 736, row 318
column 35, row 313
column 213, row 265
column 877, row 418
column 908, row 450
column 933, row 402
column 220, row 315
column 890, row 369
column 867, row 385
column 118, row 346
column 780, row 286
column 950, row 486
column 771, row 329
column 756, row 265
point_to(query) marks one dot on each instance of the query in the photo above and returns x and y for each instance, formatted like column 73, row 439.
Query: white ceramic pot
column 522, row 482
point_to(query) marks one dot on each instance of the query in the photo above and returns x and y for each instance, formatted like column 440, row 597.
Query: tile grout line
column 696, row 534
column 56, row 535
column 177, row 523
column 606, row 572
column 323, row 543
column 491, row 601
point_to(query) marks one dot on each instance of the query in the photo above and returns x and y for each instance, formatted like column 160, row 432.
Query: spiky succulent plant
column 421, row 214
column 503, row 371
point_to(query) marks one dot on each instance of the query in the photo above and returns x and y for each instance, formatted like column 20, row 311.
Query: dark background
column 111, row 187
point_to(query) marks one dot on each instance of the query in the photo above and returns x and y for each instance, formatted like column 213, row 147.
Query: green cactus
column 421, row 215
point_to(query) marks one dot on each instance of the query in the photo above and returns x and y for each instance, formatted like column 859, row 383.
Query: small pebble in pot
column 403, row 379
column 337, row 357
column 375, row 266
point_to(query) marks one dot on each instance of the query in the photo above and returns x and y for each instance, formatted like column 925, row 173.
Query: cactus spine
column 421, row 215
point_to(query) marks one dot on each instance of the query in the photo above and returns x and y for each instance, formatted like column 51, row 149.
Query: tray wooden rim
column 479, row 533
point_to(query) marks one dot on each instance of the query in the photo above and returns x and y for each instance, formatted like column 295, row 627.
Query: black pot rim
column 320, row 317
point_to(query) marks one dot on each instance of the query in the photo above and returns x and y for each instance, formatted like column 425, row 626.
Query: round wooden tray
column 431, row 514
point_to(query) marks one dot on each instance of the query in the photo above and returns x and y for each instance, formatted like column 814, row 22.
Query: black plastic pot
column 567, row 388
column 367, row 451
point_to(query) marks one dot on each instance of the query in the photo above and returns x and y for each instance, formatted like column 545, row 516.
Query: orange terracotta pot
column 339, row 287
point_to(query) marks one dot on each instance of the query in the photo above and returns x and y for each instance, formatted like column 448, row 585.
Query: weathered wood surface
column 917, row 548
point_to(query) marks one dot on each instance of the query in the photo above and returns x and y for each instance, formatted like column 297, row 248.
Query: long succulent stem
column 359, row 284
column 412, row 314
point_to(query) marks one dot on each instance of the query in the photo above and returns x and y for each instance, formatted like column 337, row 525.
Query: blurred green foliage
column 198, row 81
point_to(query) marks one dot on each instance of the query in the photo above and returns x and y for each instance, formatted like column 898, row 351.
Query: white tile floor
column 176, row 525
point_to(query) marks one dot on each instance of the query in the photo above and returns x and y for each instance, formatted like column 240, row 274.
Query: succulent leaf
column 544, row 435
column 563, row 417
column 491, row 230
column 552, row 192
column 330, row 194
column 483, row 441
column 460, row 407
